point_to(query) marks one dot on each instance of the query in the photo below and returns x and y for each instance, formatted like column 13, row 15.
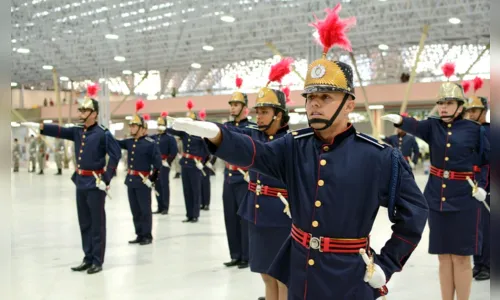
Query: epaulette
column 252, row 126
column 300, row 133
column 103, row 128
column 149, row 139
column 371, row 140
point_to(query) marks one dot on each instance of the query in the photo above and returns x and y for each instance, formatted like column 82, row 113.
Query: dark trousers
column 236, row 227
column 140, row 205
column 92, row 220
column 205, row 190
column 191, row 185
column 162, row 186
column 483, row 260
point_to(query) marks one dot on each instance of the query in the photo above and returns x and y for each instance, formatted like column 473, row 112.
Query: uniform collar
column 281, row 130
column 337, row 140
column 90, row 127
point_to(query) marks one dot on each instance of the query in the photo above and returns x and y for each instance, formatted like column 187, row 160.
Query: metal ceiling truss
column 169, row 35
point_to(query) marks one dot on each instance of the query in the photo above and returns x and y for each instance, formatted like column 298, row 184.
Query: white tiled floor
column 184, row 261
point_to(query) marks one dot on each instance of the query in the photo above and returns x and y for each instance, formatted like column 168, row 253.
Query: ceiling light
column 454, row 20
column 14, row 41
column 47, row 67
column 375, row 107
column 13, row 84
column 14, row 124
column 111, row 36
column 127, row 72
column 383, row 47
column 195, row 65
column 63, row 78
column 47, row 121
column 227, row 19
column 208, row 48
column 23, row 50
column 300, row 110
column 119, row 58
column 129, row 118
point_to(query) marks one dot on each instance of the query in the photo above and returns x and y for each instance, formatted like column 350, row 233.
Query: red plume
column 146, row 117
column 466, row 86
column 448, row 69
column 286, row 91
column 478, row 83
column 332, row 30
column 279, row 70
column 189, row 104
column 139, row 104
column 203, row 114
column 239, row 81
column 405, row 114
column 164, row 114
column 92, row 89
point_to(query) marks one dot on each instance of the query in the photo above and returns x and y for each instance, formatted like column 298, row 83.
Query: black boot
column 82, row 267
column 94, row 269
column 232, row 263
column 483, row 275
column 59, row 172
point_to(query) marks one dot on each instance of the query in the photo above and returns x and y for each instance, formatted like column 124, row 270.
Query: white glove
column 480, row 194
column 199, row 165
column 101, row 185
column 31, row 124
column 147, row 182
column 412, row 165
column 209, row 165
column 165, row 163
column 246, row 177
column 197, row 128
column 179, row 156
column 161, row 127
column 396, row 119
column 375, row 279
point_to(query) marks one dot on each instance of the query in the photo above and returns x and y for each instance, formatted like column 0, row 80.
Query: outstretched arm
column 67, row 133
column 421, row 129
column 409, row 215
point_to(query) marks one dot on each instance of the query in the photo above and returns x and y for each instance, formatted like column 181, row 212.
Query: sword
column 144, row 179
column 199, row 162
column 98, row 180
column 370, row 266
column 287, row 206
column 245, row 174
column 474, row 190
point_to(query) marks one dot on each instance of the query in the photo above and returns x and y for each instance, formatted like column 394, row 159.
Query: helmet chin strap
column 239, row 114
column 329, row 123
column 86, row 118
column 266, row 127
column 453, row 116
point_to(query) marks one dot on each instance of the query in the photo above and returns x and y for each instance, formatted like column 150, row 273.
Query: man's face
column 264, row 115
column 324, row 105
column 235, row 108
column 448, row 108
column 474, row 114
column 400, row 131
column 83, row 114
column 134, row 129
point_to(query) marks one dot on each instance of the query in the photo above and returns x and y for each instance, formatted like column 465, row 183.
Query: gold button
column 322, row 162
column 448, row 145
column 444, row 186
column 230, row 174
column 132, row 159
column 311, row 262
column 79, row 158
column 81, row 151
column 130, row 180
column 78, row 166
column 295, row 133
column 447, row 158
column 258, row 181
column 449, row 125
column 189, row 140
column 187, row 162
column 443, row 199
column 83, row 143
column 83, row 136
column 326, row 148
column 133, row 145
column 271, row 137
column 315, row 224
column 449, row 132
column 187, row 150
column 157, row 142
column 133, row 152
column 85, row 130
column 321, row 182
column 257, row 206
column 317, row 203
column 135, row 140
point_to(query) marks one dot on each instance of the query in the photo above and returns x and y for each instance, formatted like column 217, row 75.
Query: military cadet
column 476, row 111
column 205, row 184
column 42, row 152
column 177, row 165
column 235, row 187
column 32, row 154
column 407, row 144
column 195, row 153
column 16, row 154
column 143, row 153
column 59, row 155
column 168, row 151
column 323, row 168
column 457, row 147
column 263, row 207
column 92, row 177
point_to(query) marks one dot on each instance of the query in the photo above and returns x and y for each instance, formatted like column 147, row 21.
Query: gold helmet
column 450, row 90
column 267, row 97
column 237, row 96
column 162, row 121
column 190, row 113
column 89, row 103
column 324, row 75
column 138, row 120
column 477, row 101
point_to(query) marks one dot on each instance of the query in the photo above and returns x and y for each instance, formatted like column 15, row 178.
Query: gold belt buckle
column 258, row 189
